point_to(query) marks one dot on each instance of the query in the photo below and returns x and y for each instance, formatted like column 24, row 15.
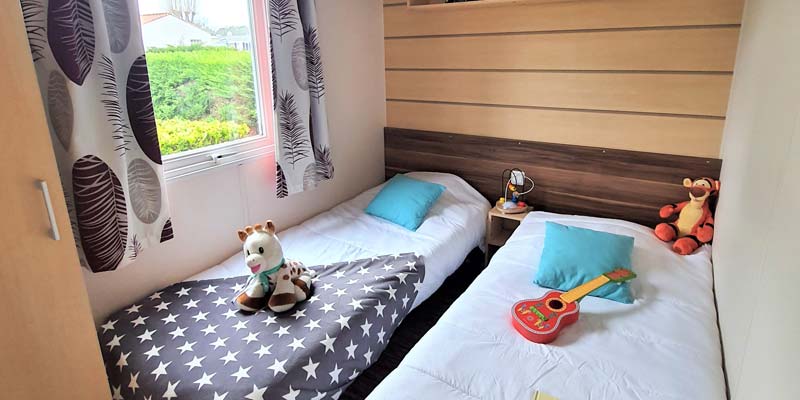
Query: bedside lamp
column 517, row 185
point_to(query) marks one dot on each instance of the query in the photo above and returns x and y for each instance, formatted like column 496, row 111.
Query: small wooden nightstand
column 499, row 227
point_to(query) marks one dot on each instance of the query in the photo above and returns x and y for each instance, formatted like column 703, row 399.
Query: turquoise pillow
column 405, row 201
column 573, row 256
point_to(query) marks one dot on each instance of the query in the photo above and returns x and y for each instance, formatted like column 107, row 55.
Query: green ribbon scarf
column 263, row 276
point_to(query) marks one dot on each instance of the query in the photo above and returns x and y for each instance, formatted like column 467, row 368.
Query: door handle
column 50, row 214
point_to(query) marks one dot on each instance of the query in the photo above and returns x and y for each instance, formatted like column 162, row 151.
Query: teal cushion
column 405, row 201
column 573, row 256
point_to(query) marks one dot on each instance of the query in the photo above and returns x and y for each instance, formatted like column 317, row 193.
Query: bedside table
column 499, row 227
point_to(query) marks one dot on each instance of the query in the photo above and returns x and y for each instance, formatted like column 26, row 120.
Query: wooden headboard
column 570, row 179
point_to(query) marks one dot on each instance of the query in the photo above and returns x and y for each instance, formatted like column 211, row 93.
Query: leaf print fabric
column 107, row 150
column 303, row 144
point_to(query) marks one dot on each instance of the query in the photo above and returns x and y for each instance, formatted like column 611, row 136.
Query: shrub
column 177, row 135
column 198, row 83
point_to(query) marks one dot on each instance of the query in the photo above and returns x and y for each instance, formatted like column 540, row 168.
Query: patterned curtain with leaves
column 298, row 87
column 92, row 72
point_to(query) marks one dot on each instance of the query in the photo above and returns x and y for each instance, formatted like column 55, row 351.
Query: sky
column 213, row 13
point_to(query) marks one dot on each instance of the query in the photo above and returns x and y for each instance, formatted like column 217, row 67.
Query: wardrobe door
column 48, row 344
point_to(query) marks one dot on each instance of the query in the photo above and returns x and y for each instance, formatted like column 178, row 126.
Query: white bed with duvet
column 453, row 227
column 665, row 346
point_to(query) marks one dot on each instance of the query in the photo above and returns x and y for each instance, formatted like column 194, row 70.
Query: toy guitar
column 541, row 320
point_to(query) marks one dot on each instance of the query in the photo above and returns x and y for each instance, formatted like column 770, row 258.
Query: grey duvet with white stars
column 188, row 341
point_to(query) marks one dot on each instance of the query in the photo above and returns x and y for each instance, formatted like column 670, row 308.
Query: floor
column 416, row 324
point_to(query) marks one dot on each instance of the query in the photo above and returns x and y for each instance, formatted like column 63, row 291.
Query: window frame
column 189, row 162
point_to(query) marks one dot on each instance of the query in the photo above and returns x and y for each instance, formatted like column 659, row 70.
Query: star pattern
column 263, row 351
column 209, row 329
column 191, row 304
column 187, row 347
column 190, row 341
column 204, row 380
column 292, row 395
column 210, row 289
column 154, row 351
column 311, row 369
column 200, row 316
column 123, row 360
column 134, row 384
column 327, row 307
column 161, row 369
column 335, row 373
column 109, row 325
column 114, row 342
column 169, row 394
column 231, row 356
column 257, row 393
column 195, row 363
column 277, row 367
column 242, row 373
column 312, row 324
column 163, row 306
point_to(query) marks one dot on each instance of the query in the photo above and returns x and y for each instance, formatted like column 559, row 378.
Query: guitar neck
column 583, row 290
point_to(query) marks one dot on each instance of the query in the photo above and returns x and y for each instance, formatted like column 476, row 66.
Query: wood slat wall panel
column 708, row 49
column 554, row 179
column 658, row 134
column 695, row 94
column 570, row 179
column 642, row 75
column 566, row 15
column 659, row 167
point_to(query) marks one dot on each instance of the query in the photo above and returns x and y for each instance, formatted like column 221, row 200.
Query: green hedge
column 202, row 83
column 177, row 135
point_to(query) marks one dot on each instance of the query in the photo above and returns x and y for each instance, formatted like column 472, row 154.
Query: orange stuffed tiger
column 695, row 224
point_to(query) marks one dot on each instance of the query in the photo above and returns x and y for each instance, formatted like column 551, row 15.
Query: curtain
column 298, row 89
column 92, row 73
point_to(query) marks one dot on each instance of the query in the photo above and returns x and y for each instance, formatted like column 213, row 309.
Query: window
column 202, row 57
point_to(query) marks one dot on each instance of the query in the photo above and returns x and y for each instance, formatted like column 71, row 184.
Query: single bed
column 665, row 346
column 189, row 341
column 454, row 226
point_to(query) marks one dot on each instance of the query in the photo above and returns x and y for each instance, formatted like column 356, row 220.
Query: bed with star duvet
column 188, row 341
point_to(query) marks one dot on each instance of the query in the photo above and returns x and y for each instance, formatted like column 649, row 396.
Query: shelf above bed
column 441, row 5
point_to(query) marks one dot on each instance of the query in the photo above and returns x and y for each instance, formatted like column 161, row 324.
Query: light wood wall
column 643, row 75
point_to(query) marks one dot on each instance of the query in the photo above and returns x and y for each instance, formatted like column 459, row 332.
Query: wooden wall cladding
column 569, row 179
column 657, row 134
column 652, row 75
column 569, row 15
column 704, row 49
column 688, row 94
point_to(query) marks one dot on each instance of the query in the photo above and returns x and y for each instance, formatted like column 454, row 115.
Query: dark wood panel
column 569, row 179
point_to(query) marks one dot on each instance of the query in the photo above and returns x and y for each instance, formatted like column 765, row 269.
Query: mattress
column 664, row 346
column 453, row 227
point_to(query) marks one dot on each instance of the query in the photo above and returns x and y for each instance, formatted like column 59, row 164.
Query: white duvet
column 453, row 227
column 664, row 346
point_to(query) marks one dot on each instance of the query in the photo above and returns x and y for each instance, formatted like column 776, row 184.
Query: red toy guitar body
column 541, row 320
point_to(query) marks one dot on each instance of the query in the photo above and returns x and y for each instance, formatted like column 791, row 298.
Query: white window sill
column 191, row 162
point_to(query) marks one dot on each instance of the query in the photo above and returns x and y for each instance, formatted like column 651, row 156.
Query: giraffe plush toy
column 276, row 283
column 695, row 224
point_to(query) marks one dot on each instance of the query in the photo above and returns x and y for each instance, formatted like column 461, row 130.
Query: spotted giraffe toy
column 276, row 283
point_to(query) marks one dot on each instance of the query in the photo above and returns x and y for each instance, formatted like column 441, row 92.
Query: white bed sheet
column 664, row 346
column 453, row 227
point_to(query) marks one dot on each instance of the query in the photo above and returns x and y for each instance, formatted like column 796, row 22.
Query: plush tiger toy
column 695, row 224
column 276, row 283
